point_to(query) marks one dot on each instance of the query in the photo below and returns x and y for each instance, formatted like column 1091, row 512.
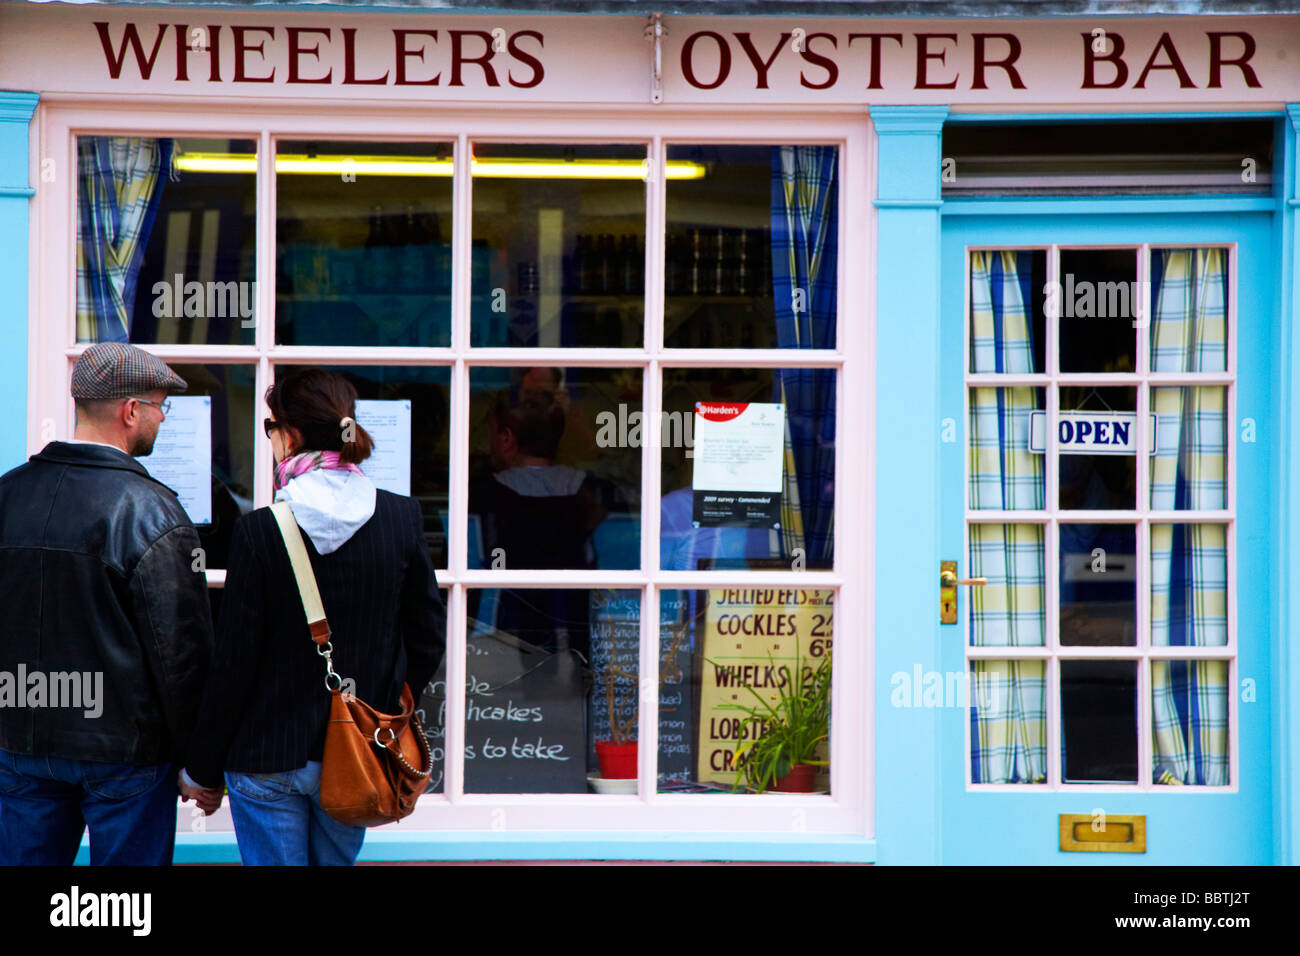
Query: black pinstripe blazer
column 265, row 705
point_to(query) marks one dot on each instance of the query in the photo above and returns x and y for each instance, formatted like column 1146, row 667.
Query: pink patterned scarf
column 300, row 464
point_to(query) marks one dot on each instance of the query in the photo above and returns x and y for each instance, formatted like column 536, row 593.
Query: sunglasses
column 268, row 424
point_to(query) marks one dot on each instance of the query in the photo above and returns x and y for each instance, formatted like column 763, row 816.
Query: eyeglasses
column 268, row 424
column 164, row 406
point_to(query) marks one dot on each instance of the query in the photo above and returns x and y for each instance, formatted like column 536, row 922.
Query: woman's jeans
column 279, row 821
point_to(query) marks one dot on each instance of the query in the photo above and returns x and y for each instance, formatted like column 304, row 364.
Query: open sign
column 1089, row 433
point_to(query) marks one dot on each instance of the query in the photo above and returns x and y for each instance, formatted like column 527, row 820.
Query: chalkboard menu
column 615, row 654
column 525, row 711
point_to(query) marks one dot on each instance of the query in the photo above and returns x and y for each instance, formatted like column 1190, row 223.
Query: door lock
column 948, row 582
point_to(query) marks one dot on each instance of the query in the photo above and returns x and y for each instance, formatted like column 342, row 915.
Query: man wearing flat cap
column 107, row 633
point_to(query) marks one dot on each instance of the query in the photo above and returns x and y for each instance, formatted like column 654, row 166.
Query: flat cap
column 118, row 370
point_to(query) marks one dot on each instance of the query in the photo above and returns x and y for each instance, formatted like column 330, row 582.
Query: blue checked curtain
column 804, row 264
column 1008, row 698
column 119, row 186
column 1189, row 591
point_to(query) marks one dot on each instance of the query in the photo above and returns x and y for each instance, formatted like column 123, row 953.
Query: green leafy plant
column 778, row 734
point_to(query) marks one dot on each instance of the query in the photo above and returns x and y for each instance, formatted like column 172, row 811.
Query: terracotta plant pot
column 617, row 761
column 800, row 779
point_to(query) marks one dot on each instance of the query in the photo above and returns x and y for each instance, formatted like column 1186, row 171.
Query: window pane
column 1008, row 727
column 555, row 468
column 558, row 245
column 725, row 656
column 363, row 243
column 1189, row 585
column 1006, row 473
column 1099, row 304
column 744, row 523
column 1098, row 722
column 1189, row 468
column 431, row 711
column 1009, row 610
column 751, row 255
column 1007, row 330
column 1189, row 323
column 213, row 478
column 1098, row 584
column 406, row 409
column 1096, row 470
column 1189, row 722
column 166, row 240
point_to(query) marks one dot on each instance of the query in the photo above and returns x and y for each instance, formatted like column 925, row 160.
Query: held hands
column 208, row 800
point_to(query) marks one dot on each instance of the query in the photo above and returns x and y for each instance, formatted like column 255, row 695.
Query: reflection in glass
column 165, row 248
column 422, row 395
column 233, row 399
column 807, row 501
column 1100, row 306
column 1010, row 609
column 1189, row 722
column 751, row 255
column 1099, row 722
column 1189, row 468
column 363, row 243
column 1004, row 473
column 1008, row 721
column 1189, row 585
column 725, row 653
column 1102, row 479
column 1098, row 581
column 555, row 468
column 558, row 260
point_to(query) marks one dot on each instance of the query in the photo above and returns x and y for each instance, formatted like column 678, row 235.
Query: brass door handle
column 948, row 582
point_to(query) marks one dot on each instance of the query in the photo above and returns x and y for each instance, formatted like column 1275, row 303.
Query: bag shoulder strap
column 302, row 572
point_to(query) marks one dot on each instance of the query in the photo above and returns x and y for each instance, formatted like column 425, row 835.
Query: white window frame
column 849, row 809
column 1141, row 517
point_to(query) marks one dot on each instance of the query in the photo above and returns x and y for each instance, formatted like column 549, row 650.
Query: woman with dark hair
column 265, row 707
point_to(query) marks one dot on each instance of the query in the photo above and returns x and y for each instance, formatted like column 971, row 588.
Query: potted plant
column 780, row 739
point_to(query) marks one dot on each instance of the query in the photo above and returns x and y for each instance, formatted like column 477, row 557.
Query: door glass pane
column 165, row 240
column 555, row 468
column 1099, row 310
column 1010, row 609
column 363, row 243
column 1189, row 468
column 1098, row 722
column 558, row 247
column 406, row 409
column 210, row 423
column 1008, row 721
column 1189, row 322
column 751, row 256
column 1097, row 461
column 1189, row 585
column 1098, row 584
column 726, row 657
column 1006, row 463
column 1006, row 310
column 1189, row 722
column 776, row 512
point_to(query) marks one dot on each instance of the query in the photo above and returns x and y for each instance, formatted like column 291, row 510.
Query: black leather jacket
column 96, row 576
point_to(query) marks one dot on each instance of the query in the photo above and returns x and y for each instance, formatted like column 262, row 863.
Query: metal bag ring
column 391, row 736
column 333, row 687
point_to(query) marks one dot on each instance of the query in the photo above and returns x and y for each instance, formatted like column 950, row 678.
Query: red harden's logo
column 720, row 411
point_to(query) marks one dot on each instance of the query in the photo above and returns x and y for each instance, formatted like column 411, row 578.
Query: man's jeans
column 47, row 802
column 279, row 821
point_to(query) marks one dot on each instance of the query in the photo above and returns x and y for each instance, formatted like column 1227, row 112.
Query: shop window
column 1099, row 510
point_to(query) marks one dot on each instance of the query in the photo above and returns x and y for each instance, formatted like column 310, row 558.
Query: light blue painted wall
column 15, row 198
column 908, row 766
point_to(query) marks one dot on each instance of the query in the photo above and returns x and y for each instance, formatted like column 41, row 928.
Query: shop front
column 704, row 342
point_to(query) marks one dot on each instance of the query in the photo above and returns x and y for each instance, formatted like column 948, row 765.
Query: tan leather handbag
column 368, row 773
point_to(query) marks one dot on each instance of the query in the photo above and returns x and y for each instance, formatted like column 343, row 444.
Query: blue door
column 1110, row 432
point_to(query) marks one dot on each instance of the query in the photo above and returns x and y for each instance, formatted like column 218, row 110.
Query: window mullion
column 264, row 332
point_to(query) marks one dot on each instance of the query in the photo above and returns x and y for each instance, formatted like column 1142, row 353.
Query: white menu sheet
column 182, row 455
column 389, row 424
